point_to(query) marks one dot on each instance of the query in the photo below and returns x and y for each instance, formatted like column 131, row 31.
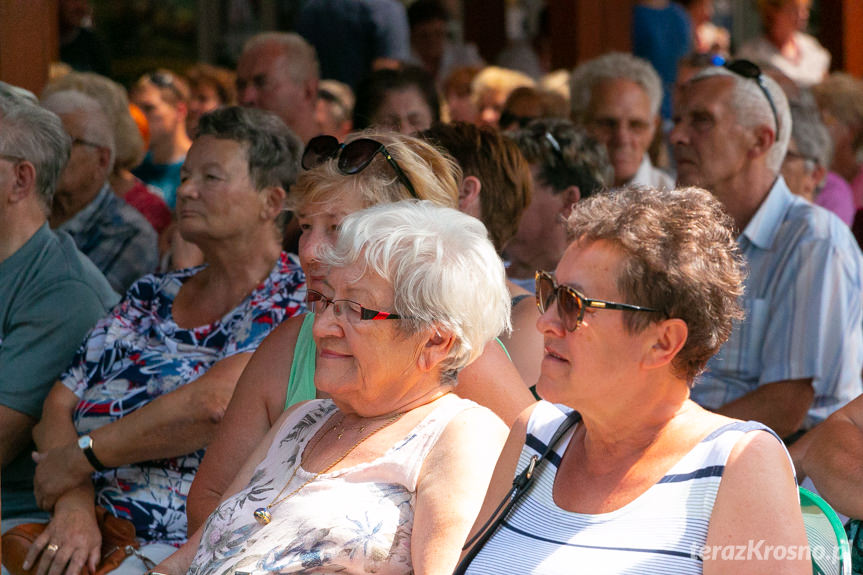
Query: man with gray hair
column 50, row 293
column 617, row 98
column 797, row 355
column 278, row 72
column 115, row 236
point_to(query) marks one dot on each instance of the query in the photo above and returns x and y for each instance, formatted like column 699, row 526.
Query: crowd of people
column 316, row 313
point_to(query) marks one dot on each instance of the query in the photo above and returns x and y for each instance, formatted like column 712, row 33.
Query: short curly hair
column 681, row 258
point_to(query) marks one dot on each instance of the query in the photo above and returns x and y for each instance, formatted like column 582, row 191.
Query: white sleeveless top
column 662, row 531
column 357, row 519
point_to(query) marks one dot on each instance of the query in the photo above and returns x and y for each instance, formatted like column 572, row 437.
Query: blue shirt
column 50, row 297
column 349, row 36
column 802, row 300
column 166, row 177
column 662, row 36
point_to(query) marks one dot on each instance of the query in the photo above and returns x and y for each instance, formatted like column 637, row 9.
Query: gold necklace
column 262, row 514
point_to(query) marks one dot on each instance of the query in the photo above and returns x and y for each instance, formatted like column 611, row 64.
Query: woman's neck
column 230, row 276
column 627, row 428
column 354, row 413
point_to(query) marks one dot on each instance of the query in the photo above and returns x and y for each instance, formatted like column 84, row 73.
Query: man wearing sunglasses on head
column 797, row 355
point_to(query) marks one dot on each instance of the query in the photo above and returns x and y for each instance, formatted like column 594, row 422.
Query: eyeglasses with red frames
column 354, row 312
column 570, row 303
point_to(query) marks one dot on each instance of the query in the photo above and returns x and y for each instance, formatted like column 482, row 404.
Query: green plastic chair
column 828, row 543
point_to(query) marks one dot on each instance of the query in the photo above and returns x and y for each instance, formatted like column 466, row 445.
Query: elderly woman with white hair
column 387, row 474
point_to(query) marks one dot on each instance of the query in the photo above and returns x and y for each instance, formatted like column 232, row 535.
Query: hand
column 59, row 470
column 70, row 542
column 178, row 563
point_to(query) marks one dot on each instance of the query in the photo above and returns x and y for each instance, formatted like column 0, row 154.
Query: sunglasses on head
column 751, row 71
column 165, row 80
column 570, row 303
column 541, row 132
column 353, row 157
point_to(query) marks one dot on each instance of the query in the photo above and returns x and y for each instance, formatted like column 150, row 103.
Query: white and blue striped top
column 662, row 531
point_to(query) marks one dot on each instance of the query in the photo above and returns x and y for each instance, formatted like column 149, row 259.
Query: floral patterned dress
column 137, row 353
column 358, row 519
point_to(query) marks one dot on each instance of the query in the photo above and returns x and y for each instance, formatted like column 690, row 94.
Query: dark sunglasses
column 751, row 71
column 318, row 303
column 166, row 80
column 353, row 157
column 570, row 303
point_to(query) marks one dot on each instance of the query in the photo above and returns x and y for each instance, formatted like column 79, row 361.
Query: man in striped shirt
column 798, row 354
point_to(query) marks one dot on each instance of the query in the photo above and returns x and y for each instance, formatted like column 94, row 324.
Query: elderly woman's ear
column 272, row 202
column 436, row 349
column 667, row 339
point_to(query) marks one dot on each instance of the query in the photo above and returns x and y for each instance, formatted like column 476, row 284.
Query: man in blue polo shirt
column 50, row 293
column 797, row 355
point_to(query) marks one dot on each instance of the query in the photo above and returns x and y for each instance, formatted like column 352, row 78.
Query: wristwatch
column 85, row 442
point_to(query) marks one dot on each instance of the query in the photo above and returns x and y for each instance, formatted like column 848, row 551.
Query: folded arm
column 171, row 425
column 832, row 456
column 15, row 428
column 782, row 405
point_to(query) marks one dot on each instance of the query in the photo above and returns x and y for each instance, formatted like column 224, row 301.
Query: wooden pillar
column 28, row 42
column 584, row 29
column 841, row 24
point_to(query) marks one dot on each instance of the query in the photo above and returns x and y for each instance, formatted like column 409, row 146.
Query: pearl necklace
column 262, row 514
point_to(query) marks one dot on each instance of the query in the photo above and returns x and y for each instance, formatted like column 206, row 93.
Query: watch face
column 84, row 441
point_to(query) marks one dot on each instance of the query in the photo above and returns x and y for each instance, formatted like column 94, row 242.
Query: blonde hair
column 434, row 176
column 495, row 79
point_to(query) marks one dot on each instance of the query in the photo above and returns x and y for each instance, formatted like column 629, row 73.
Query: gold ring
column 52, row 548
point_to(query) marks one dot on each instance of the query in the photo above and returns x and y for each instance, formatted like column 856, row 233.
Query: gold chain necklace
column 262, row 514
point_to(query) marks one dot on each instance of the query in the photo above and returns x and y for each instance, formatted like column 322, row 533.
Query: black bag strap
column 520, row 485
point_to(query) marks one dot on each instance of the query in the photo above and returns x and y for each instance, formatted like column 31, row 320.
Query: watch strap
column 91, row 457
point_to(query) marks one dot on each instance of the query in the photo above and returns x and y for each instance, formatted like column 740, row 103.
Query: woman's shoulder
column 295, row 421
column 284, row 287
column 542, row 419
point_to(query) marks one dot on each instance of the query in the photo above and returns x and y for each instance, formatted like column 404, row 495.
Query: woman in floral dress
column 149, row 384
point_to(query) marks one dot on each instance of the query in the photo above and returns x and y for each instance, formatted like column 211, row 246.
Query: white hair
column 444, row 271
column 37, row 135
column 97, row 126
column 752, row 109
column 811, row 135
column 301, row 56
column 612, row 66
